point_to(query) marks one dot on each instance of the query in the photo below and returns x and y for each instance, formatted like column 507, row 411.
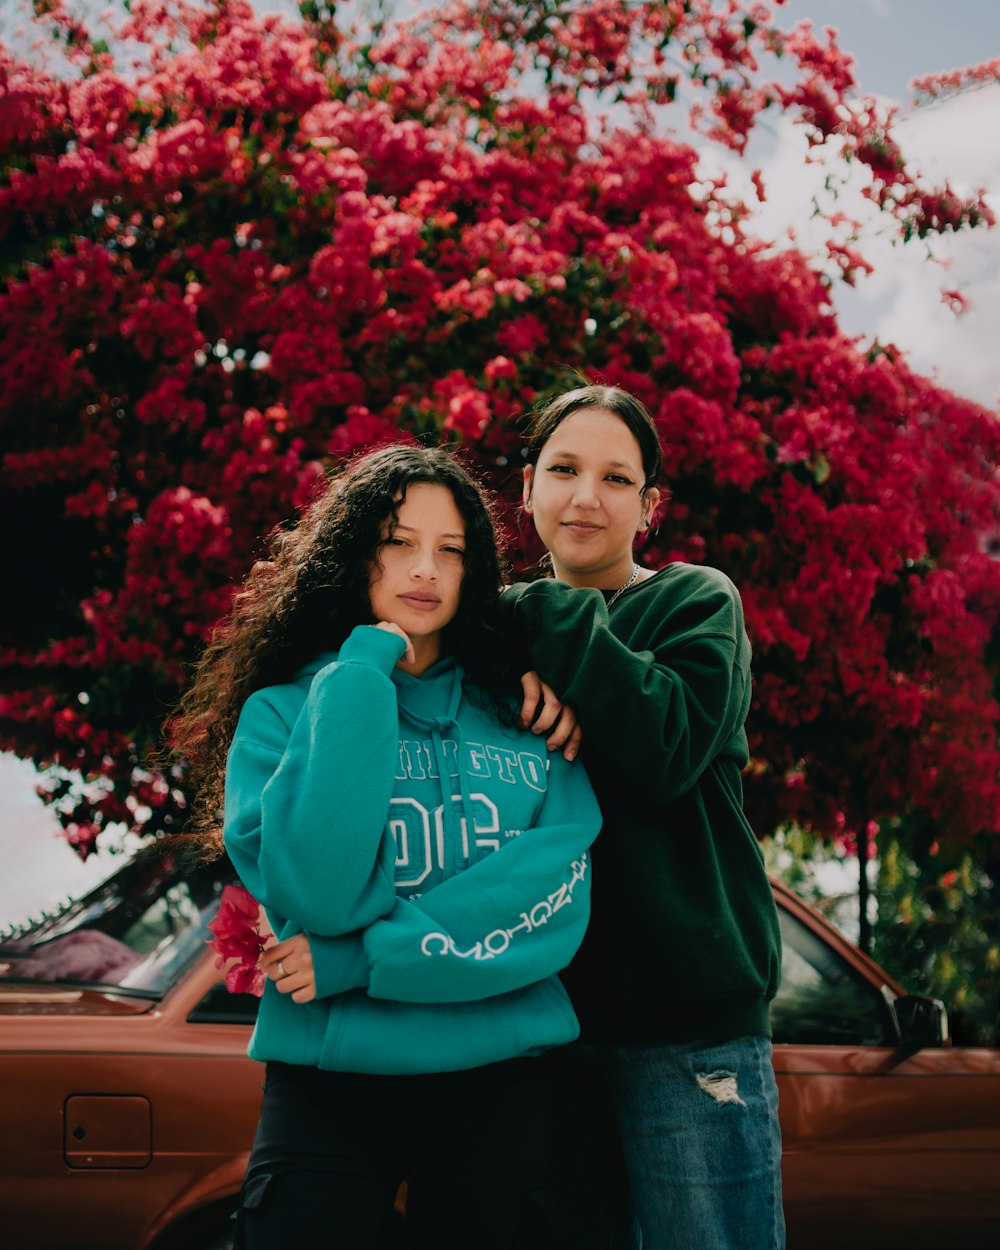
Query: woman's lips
column 582, row 528
column 423, row 603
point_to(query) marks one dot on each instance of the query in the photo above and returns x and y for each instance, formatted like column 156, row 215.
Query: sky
column 893, row 41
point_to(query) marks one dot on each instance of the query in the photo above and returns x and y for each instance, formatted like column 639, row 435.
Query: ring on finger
column 281, row 970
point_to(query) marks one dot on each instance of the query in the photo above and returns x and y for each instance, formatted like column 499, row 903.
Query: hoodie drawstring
column 438, row 727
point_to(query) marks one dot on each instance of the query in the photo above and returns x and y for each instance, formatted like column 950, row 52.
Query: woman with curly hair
column 420, row 856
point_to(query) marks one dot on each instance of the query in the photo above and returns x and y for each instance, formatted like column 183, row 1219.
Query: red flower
column 265, row 246
column 238, row 936
column 956, row 301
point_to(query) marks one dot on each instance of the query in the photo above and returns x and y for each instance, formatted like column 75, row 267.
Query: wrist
column 378, row 648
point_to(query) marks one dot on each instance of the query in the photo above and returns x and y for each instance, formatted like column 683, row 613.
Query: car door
column 882, row 1145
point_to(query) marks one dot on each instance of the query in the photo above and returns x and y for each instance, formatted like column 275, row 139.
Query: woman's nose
column 425, row 566
column 585, row 493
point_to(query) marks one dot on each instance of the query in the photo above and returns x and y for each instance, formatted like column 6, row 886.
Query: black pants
column 332, row 1148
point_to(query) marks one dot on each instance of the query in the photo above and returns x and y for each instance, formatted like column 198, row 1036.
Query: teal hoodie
column 437, row 860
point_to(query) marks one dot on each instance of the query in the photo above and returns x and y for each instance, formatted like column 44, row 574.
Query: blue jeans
column 701, row 1141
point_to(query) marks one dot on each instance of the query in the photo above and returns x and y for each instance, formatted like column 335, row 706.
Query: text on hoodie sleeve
column 514, row 918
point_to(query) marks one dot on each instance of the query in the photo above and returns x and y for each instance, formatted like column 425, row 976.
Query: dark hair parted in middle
column 631, row 410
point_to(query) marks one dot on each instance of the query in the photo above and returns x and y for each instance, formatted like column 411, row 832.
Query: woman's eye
column 395, row 542
column 561, row 468
column 619, row 480
column 455, row 551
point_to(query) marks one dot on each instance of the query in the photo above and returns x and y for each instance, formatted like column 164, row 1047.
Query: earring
column 645, row 525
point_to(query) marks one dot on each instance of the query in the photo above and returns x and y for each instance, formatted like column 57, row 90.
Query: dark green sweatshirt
column 684, row 942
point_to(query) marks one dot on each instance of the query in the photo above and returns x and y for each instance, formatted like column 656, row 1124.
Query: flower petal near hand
column 237, row 935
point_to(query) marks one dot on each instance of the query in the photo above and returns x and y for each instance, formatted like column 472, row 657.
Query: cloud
column 901, row 302
column 40, row 868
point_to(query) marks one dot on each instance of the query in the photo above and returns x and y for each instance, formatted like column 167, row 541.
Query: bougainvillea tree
column 237, row 248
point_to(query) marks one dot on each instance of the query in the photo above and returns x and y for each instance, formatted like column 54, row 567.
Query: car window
column 822, row 1000
column 219, row 1006
column 136, row 932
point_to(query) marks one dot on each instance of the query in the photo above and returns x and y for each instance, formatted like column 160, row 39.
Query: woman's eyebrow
column 448, row 534
column 611, row 464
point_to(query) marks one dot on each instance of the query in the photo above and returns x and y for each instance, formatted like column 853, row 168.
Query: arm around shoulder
column 660, row 692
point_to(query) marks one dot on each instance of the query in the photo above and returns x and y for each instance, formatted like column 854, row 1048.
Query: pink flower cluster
column 238, row 936
column 268, row 244
column 936, row 86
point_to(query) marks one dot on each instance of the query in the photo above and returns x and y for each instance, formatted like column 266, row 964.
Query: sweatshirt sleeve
column 514, row 918
column 339, row 963
column 662, row 713
column 306, row 803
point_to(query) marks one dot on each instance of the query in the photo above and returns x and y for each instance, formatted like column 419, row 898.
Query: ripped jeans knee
column 701, row 1141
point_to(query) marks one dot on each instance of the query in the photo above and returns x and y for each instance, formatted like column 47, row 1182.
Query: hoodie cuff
column 339, row 963
column 377, row 648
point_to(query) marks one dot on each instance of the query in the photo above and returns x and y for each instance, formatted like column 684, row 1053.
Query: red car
column 128, row 1103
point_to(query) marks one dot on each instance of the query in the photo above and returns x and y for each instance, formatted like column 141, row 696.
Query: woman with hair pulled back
column 421, row 858
column 682, row 958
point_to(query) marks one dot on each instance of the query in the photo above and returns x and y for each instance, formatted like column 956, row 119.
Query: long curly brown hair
column 310, row 594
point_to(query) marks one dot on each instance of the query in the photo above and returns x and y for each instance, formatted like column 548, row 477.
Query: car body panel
column 882, row 1143
column 202, row 1115
column 871, row 1142
column 878, row 1138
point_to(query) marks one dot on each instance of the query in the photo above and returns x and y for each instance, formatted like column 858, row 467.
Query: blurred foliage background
column 933, row 911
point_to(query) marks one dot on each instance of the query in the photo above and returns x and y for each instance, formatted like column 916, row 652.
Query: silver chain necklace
column 621, row 589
